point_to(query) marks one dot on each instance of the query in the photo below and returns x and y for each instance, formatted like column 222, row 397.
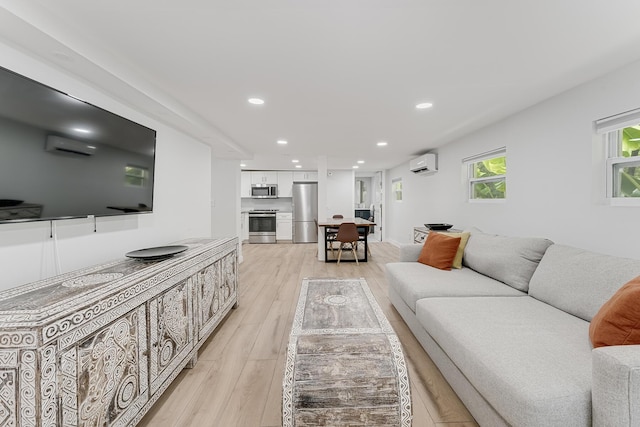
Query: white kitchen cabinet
column 264, row 177
column 285, row 183
column 284, row 226
column 245, row 184
column 305, row 176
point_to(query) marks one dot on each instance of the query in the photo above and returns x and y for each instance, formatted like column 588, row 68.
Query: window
column 487, row 175
column 136, row 176
column 624, row 162
column 622, row 139
column 396, row 188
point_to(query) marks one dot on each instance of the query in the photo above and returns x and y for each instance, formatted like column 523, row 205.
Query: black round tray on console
column 157, row 253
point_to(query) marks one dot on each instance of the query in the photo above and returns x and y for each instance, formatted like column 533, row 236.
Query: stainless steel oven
column 262, row 226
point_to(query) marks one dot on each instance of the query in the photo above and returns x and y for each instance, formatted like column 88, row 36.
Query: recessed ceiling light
column 382, row 143
column 242, row 165
column 298, row 166
column 424, row 105
column 282, row 142
column 360, row 161
column 295, row 161
column 81, row 130
column 355, row 166
column 256, row 101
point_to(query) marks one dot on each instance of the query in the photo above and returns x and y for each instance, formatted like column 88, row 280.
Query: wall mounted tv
column 64, row 158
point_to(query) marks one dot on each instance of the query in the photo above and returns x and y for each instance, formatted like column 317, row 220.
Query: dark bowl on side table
column 438, row 227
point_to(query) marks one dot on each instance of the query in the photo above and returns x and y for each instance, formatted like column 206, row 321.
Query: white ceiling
column 337, row 76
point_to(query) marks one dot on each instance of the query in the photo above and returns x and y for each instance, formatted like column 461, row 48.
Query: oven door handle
column 262, row 216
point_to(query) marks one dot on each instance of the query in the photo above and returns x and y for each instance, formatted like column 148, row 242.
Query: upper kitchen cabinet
column 245, row 184
column 264, row 177
column 305, row 176
column 285, row 183
column 284, row 179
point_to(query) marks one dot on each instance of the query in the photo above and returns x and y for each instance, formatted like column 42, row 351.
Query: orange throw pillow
column 618, row 320
column 439, row 251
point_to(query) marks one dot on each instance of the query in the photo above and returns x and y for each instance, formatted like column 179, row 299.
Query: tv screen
column 61, row 157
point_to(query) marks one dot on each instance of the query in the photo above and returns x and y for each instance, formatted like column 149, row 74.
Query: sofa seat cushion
column 530, row 361
column 413, row 281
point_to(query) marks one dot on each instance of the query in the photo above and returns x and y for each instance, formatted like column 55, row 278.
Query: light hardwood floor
column 238, row 378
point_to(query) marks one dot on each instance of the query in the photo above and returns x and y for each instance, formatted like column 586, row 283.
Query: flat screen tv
column 61, row 157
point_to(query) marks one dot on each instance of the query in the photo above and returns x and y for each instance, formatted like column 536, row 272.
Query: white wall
column 225, row 198
column 340, row 197
column 182, row 198
column 554, row 178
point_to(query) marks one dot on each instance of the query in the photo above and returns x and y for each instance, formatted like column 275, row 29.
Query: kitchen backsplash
column 282, row 204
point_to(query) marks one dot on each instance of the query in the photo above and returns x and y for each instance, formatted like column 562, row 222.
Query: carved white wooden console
column 98, row 346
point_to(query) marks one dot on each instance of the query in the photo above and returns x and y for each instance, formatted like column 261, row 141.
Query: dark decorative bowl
column 438, row 227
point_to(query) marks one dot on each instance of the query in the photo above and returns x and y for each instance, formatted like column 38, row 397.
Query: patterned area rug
column 345, row 365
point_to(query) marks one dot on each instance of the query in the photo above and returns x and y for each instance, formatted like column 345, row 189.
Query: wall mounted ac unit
column 58, row 144
column 424, row 165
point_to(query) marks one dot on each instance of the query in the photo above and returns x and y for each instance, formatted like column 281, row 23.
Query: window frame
column 610, row 129
column 470, row 181
column 143, row 177
column 396, row 189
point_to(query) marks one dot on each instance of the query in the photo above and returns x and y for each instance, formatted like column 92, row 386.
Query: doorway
column 368, row 197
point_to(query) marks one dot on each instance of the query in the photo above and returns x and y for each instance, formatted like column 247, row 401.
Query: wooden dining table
column 363, row 228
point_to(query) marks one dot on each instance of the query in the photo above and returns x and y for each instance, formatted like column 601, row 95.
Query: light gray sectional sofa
column 509, row 331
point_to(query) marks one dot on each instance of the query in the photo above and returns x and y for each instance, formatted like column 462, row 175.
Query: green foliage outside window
column 136, row 176
column 629, row 173
column 397, row 189
column 487, row 187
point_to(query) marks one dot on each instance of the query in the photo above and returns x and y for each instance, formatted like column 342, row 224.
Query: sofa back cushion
column 578, row 281
column 511, row 260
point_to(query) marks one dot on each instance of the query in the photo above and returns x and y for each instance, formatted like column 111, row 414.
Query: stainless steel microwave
column 264, row 191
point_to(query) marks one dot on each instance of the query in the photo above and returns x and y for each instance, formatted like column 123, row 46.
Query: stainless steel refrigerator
column 305, row 212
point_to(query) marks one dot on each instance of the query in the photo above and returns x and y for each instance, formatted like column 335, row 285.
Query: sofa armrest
column 616, row 386
column 410, row 252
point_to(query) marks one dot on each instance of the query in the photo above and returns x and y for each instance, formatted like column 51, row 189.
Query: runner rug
column 345, row 364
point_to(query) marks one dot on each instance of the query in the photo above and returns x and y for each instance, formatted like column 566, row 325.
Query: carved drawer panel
column 216, row 288
column 228, row 286
column 419, row 234
column 102, row 381
column 17, row 387
column 171, row 332
column 207, row 285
